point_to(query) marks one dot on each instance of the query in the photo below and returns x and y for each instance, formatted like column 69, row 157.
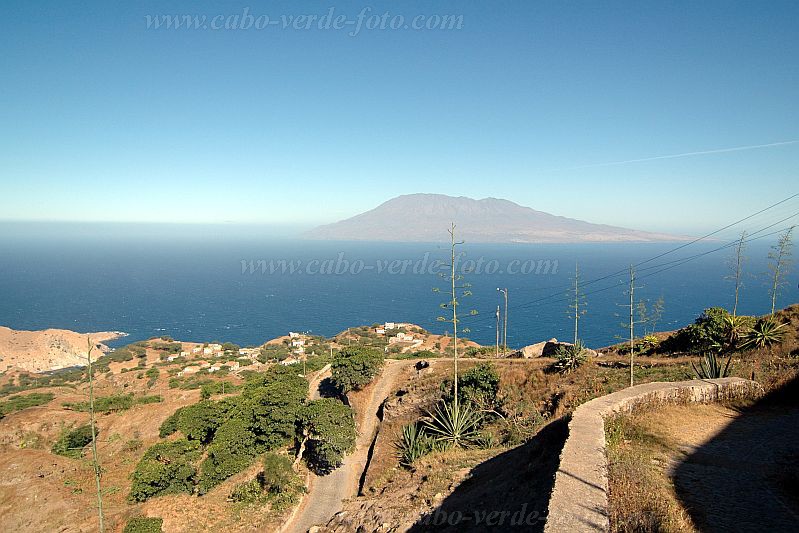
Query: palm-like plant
column 453, row 424
column 735, row 328
column 413, row 444
column 764, row 334
column 711, row 367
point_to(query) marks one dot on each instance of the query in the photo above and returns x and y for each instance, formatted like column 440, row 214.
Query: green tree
column 166, row 468
column 328, row 434
column 355, row 367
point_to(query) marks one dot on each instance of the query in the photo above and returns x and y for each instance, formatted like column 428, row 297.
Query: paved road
column 326, row 493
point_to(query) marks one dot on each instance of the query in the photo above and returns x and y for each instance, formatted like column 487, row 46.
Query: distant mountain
column 426, row 217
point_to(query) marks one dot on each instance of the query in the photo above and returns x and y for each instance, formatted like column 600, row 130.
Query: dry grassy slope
column 49, row 349
column 40, row 491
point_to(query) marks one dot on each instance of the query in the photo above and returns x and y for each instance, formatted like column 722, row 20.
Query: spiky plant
column 569, row 357
column 453, row 424
column 413, row 444
column 711, row 367
column 735, row 328
column 764, row 334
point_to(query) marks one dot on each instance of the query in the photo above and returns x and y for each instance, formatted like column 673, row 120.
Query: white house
column 215, row 347
column 214, row 368
column 233, row 365
column 401, row 337
column 380, row 331
column 389, row 325
column 298, row 342
column 293, row 335
column 189, row 370
column 197, row 349
column 184, row 354
column 208, row 350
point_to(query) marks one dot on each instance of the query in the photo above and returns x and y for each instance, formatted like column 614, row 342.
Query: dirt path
column 326, row 493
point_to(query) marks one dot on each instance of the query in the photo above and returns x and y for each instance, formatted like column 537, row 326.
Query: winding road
column 326, row 493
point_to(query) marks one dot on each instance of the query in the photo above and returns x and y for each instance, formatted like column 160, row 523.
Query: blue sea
column 206, row 284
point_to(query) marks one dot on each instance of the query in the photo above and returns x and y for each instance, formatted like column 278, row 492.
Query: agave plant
column 413, row 444
column 764, row 334
column 453, row 424
column 710, row 367
column 569, row 357
column 735, row 328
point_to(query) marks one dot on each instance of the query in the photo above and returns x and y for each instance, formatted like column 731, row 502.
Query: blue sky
column 103, row 119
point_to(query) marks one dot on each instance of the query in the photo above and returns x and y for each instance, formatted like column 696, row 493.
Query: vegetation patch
column 72, row 441
column 19, row 402
column 114, row 402
column 141, row 524
column 354, row 368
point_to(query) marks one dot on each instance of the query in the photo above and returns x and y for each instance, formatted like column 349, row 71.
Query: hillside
column 423, row 217
column 49, row 349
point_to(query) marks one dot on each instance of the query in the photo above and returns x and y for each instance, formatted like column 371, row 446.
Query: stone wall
column 579, row 500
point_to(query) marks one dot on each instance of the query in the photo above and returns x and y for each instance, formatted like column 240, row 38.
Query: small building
column 298, row 342
column 189, row 370
column 288, row 361
column 293, row 335
column 380, row 331
column 214, row 368
column 233, row 365
column 208, row 350
column 184, row 354
column 389, row 325
column 172, row 358
column 215, row 347
column 197, row 349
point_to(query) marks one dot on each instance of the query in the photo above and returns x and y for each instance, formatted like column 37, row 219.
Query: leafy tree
column 328, row 430
column 200, row 421
column 231, row 451
column 355, row 367
column 166, row 468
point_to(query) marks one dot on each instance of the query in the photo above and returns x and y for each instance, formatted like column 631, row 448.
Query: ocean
column 247, row 289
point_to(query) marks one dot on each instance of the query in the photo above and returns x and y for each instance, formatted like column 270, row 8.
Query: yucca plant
column 735, row 329
column 413, row 444
column 569, row 357
column 453, row 424
column 764, row 334
column 711, row 367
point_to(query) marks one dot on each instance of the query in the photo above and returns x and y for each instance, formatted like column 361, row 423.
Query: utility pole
column 497, row 351
column 505, row 320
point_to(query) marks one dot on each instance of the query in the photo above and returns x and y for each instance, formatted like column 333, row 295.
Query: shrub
column 570, row 357
column 248, row 492
column 152, row 375
column 281, row 483
column 354, row 368
column 141, row 524
column 166, row 468
column 328, row 427
column 72, row 441
column 277, row 483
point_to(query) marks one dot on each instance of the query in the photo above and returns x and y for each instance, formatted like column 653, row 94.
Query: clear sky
column 104, row 119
